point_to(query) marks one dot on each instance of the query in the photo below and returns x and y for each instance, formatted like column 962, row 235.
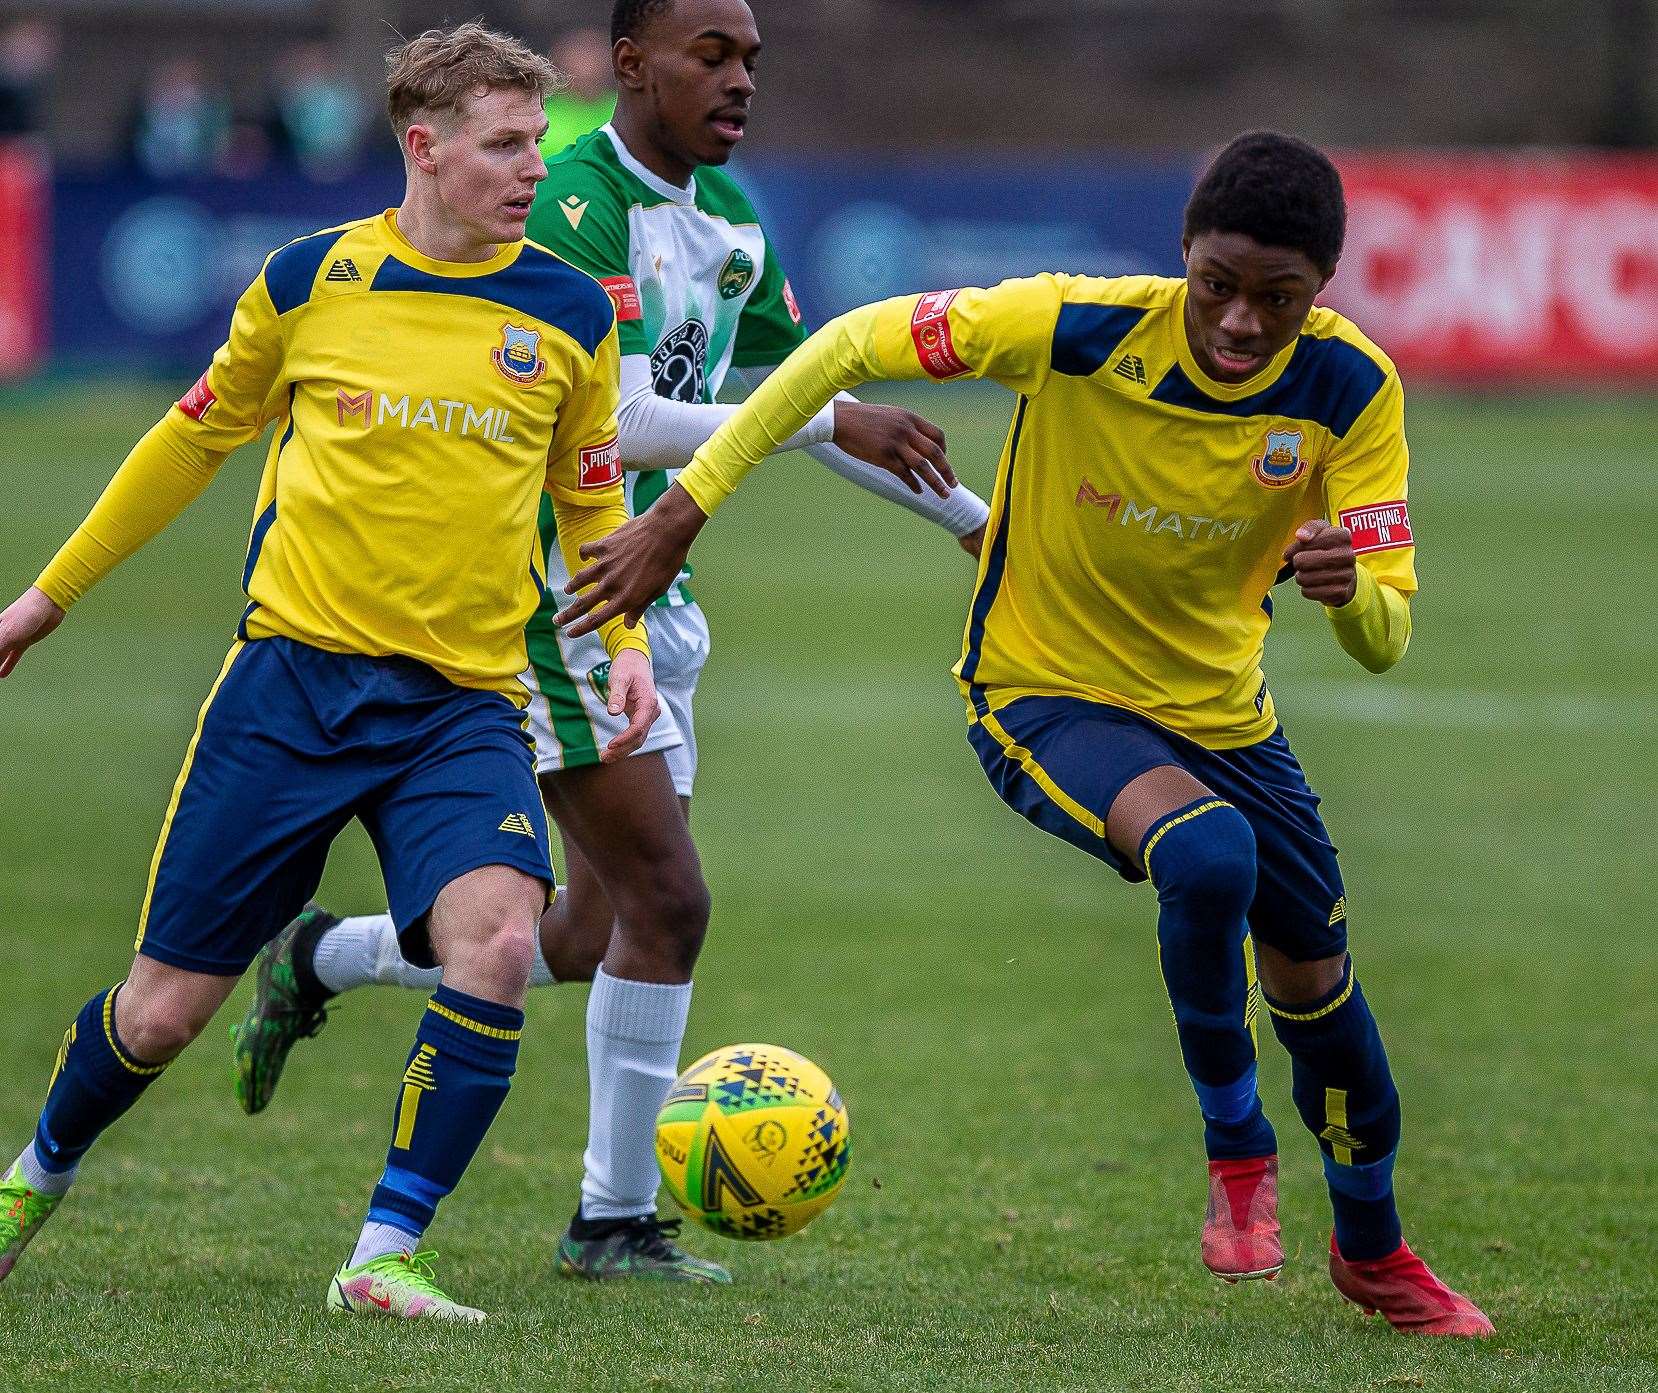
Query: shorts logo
column 518, row 359
column 599, row 680
column 736, row 275
column 198, row 400
column 1339, row 912
column 600, row 465
column 789, row 302
column 519, row 823
column 1281, row 463
column 624, row 295
column 1379, row 527
column 934, row 339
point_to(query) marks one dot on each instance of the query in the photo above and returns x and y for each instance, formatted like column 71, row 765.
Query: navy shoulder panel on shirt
column 292, row 269
column 1328, row 380
column 1086, row 335
column 537, row 284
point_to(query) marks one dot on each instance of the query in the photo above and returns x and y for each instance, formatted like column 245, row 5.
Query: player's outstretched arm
column 27, row 620
column 627, row 570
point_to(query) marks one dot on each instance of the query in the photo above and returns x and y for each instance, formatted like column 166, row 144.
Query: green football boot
column 642, row 1248
column 398, row 1285
column 287, row 1007
column 22, row 1211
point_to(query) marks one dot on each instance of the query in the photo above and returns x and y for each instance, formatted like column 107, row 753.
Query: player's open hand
column 633, row 566
column 27, row 620
column 633, row 694
column 908, row 446
column 1325, row 567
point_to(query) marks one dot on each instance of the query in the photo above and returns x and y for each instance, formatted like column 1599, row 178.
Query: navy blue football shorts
column 1060, row 762
column 293, row 743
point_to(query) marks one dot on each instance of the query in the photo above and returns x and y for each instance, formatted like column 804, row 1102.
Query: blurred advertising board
column 1467, row 268
column 854, row 231
column 1482, row 267
column 25, row 211
column 145, row 275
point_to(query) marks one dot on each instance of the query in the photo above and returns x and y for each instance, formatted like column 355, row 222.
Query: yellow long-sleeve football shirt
column 1141, row 509
column 421, row 408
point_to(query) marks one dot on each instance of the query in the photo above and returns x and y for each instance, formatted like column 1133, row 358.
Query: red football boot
column 1240, row 1231
column 1414, row 1301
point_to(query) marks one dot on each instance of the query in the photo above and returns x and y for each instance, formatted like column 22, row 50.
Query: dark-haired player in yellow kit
column 1178, row 446
column 429, row 374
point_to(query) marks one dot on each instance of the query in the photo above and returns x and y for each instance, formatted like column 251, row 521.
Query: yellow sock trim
column 1335, row 1005
column 494, row 1032
column 1198, row 811
column 1335, row 1118
column 142, row 1070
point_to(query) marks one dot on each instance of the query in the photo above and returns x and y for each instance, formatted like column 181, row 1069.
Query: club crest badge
column 518, row 359
column 736, row 274
column 599, row 680
column 1281, row 463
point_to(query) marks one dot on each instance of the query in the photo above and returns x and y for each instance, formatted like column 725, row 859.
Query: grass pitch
column 1027, row 1185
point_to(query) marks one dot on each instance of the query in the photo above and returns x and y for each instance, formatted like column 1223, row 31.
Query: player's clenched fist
column 27, row 620
column 1325, row 566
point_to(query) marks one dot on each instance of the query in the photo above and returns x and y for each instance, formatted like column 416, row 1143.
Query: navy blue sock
column 1201, row 859
column 457, row 1078
column 1344, row 1092
column 96, row 1080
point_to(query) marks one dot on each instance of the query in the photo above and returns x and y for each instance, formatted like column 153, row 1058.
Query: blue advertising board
column 854, row 231
column 145, row 275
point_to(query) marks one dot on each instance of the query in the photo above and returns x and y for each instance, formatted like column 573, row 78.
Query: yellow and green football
column 754, row 1141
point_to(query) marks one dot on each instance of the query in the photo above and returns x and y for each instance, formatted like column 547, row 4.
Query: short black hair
column 1277, row 189
column 628, row 17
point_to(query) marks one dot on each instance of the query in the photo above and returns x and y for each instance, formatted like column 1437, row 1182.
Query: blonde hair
column 438, row 71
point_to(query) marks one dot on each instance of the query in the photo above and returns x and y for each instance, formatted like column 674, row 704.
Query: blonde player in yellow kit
column 429, row 374
column 1178, row 446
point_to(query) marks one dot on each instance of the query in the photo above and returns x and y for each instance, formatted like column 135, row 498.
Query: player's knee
column 504, row 952
column 157, row 1027
column 669, row 912
column 1203, row 857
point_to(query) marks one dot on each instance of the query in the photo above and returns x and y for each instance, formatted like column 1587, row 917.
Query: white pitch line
column 1460, row 708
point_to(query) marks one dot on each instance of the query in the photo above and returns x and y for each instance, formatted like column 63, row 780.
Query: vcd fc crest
column 518, row 358
column 1281, row 463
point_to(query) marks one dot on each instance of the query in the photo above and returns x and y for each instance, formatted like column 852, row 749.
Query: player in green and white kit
column 640, row 205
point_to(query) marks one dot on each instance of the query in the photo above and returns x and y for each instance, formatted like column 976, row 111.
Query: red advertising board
column 25, row 198
column 1483, row 267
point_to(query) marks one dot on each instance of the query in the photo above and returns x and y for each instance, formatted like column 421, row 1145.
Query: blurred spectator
column 589, row 99
column 180, row 127
column 28, row 49
column 320, row 116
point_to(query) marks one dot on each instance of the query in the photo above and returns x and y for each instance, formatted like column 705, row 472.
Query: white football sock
column 361, row 951
column 41, row 1180
column 634, row 1031
column 376, row 1240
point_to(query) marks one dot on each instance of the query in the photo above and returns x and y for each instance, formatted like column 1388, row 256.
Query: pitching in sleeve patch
column 934, row 340
column 1378, row 527
column 197, row 400
column 789, row 302
column 601, row 465
column 624, row 295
